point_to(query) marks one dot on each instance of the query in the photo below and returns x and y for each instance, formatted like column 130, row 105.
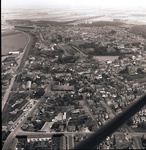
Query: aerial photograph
column 73, row 74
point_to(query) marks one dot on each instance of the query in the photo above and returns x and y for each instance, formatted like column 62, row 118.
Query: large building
column 60, row 142
column 28, row 86
column 63, row 142
column 62, row 88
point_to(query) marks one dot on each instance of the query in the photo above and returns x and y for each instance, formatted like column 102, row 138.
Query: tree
column 145, row 47
column 130, row 122
column 136, row 44
column 124, row 70
column 139, row 71
column 28, row 78
column 90, row 56
column 29, row 118
column 121, row 57
column 112, row 32
column 39, row 92
column 60, row 38
column 144, row 125
column 127, row 44
column 54, row 40
column 140, row 124
column 7, row 76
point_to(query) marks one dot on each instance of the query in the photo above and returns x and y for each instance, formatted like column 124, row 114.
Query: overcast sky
column 64, row 3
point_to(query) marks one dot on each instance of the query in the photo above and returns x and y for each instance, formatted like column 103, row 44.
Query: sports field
column 13, row 41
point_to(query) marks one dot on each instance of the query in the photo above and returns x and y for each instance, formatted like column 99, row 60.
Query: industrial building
column 28, row 86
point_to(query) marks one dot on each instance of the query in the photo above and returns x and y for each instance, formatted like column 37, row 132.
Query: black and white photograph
column 73, row 74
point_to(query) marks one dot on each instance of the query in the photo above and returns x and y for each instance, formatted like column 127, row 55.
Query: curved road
column 22, row 60
column 7, row 93
column 26, row 50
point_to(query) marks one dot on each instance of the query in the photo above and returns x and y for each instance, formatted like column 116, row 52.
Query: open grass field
column 13, row 41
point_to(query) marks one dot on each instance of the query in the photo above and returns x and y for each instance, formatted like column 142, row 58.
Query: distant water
column 12, row 41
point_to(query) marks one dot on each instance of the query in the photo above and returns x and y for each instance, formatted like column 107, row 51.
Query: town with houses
column 74, row 80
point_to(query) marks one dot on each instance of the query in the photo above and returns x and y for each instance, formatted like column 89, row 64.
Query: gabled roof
column 11, row 123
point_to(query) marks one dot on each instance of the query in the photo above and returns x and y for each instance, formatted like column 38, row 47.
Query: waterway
column 13, row 40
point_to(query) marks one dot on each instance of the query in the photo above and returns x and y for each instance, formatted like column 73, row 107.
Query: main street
column 70, row 134
column 17, row 129
column 21, row 121
column 45, row 134
column 89, row 110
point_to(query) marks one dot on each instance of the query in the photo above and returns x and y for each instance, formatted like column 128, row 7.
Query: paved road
column 72, row 134
column 14, row 132
column 7, row 93
column 17, row 129
column 91, row 113
column 79, row 51
column 41, row 36
column 65, row 52
column 26, row 50
column 125, row 125
column 43, row 134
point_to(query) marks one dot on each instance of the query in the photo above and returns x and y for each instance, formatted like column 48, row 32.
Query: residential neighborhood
column 74, row 81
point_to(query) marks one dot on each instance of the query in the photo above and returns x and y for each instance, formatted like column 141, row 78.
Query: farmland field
column 13, row 41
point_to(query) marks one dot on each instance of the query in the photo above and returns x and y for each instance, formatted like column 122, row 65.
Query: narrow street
column 17, row 129
column 21, row 122
column 7, row 93
column 90, row 112
column 78, row 50
column 65, row 52
column 125, row 125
